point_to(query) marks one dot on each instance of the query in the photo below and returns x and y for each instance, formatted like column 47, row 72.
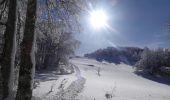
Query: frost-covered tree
column 145, row 58
column 152, row 60
column 55, row 20
column 65, row 48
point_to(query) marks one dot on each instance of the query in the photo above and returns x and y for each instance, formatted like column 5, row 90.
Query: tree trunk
column 27, row 64
column 46, row 61
column 9, row 51
column 1, row 86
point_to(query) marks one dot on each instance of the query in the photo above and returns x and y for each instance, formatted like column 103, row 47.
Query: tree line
column 128, row 55
column 34, row 35
column 153, row 61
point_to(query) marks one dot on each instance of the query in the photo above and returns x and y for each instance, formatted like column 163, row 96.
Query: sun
column 98, row 18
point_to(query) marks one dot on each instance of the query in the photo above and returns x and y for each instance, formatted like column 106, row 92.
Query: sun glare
column 98, row 18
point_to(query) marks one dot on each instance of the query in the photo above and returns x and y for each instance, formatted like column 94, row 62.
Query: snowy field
column 94, row 80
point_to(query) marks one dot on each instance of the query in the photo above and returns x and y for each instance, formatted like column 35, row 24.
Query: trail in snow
column 74, row 89
column 78, row 72
column 61, row 91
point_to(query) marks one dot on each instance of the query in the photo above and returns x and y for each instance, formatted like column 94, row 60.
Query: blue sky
column 136, row 23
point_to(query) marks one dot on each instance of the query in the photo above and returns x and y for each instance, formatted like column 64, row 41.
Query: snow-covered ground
column 94, row 80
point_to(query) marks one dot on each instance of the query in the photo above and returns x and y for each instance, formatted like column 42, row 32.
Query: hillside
column 128, row 55
column 95, row 80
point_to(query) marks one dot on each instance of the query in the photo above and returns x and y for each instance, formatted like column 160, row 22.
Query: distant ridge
column 127, row 55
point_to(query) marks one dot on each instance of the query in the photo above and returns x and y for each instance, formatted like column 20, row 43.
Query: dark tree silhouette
column 27, row 64
column 9, row 50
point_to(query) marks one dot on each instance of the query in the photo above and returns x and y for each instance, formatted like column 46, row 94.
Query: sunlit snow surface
column 118, row 80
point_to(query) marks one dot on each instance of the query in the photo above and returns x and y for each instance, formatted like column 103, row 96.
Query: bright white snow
column 86, row 84
column 120, row 81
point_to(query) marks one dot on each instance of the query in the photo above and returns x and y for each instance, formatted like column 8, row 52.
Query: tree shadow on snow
column 156, row 78
column 46, row 76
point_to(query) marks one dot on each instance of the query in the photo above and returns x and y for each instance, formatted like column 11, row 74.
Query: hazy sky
column 132, row 23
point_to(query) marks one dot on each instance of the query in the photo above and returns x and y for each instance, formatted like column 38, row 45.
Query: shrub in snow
column 108, row 96
column 98, row 71
column 65, row 69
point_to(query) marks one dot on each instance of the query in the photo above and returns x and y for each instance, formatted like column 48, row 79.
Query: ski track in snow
column 70, row 93
column 74, row 89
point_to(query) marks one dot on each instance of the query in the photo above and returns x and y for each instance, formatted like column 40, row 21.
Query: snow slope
column 119, row 81
column 94, row 80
